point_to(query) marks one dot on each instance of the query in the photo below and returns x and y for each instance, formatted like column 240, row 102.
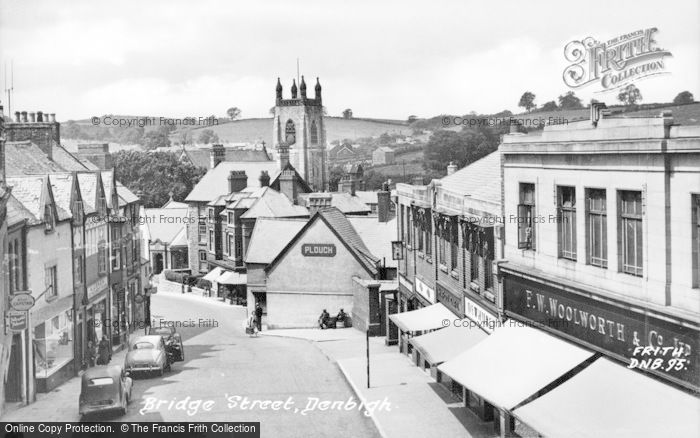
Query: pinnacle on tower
column 318, row 89
column 279, row 89
column 294, row 89
column 302, row 88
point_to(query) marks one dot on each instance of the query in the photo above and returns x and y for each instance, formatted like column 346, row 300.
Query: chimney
column 96, row 153
column 17, row 115
column 53, row 117
column 288, row 186
column 514, row 126
column 237, row 181
column 24, row 116
column 217, row 154
column 451, row 168
column 40, row 116
column 32, row 117
column 318, row 201
column 597, row 111
column 283, row 152
column 348, row 184
column 264, row 179
column 383, row 205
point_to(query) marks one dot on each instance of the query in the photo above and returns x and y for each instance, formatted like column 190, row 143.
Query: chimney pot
column 32, row 117
column 24, row 116
column 383, row 206
column 39, row 116
column 264, row 179
column 53, row 117
column 451, row 168
column 17, row 117
column 319, row 201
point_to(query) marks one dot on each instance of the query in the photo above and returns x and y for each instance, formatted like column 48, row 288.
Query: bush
column 203, row 284
column 176, row 277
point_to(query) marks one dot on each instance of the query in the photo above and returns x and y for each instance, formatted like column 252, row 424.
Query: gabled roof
column 304, row 186
column 480, row 180
column 215, row 182
column 16, row 212
column 377, row 236
column 165, row 224
column 33, row 192
column 126, row 196
column 180, row 240
column 174, row 204
column 272, row 203
column 344, row 231
column 62, row 185
column 26, row 158
column 108, row 185
column 384, row 149
column 270, row 236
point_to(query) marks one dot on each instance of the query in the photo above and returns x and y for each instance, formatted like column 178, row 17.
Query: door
column 13, row 384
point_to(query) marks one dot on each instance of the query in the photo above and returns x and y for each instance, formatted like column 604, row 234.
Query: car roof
column 147, row 338
column 113, row 371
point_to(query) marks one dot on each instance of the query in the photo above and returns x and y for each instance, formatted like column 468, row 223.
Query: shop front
column 53, row 350
column 118, row 321
column 96, row 311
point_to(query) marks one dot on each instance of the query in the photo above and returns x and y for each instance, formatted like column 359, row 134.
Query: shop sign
column 397, row 250
column 22, row 301
column 138, row 299
column 451, row 301
column 610, row 328
column 318, row 250
column 98, row 286
column 17, row 321
column 425, row 291
column 479, row 314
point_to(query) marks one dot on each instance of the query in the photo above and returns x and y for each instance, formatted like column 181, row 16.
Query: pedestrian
column 258, row 316
column 90, row 353
column 104, row 353
column 324, row 319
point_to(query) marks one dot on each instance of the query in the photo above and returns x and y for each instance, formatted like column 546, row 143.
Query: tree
column 630, row 95
column 385, row 138
column 462, row 148
column 207, row 136
column 684, row 97
column 549, row 106
column 347, row 113
column 569, row 101
column 233, row 113
column 185, row 137
column 155, row 174
column 132, row 135
column 155, row 139
column 527, row 101
column 334, row 176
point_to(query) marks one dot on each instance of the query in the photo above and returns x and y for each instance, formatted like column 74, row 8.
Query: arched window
column 314, row 133
column 290, row 133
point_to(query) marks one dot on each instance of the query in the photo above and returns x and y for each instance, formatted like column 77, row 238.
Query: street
column 227, row 375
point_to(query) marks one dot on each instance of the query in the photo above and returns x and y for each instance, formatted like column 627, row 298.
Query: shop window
column 526, row 211
column 53, row 344
column 597, row 228
column 630, row 226
column 695, row 202
column 566, row 218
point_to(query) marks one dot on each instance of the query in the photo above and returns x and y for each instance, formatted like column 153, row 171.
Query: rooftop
column 270, row 236
column 215, row 182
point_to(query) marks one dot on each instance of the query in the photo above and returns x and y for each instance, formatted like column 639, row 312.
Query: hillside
column 257, row 130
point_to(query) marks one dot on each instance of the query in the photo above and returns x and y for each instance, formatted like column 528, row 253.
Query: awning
column 213, row 274
column 229, row 277
column 514, row 363
column 442, row 345
column 607, row 399
column 425, row 318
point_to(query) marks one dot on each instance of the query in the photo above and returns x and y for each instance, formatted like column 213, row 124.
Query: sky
column 382, row 59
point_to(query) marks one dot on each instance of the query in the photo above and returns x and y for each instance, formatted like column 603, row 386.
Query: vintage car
column 172, row 339
column 104, row 388
column 147, row 354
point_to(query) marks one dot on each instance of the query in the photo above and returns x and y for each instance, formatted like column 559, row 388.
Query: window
column 53, row 344
column 78, row 269
column 454, row 248
column 16, row 265
column 239, row 247
column 420, row 236
column 202, row 232
column 409, row 228
column 102, row 206
column 78, row 211
column 211, row 240
column 230, row 218
column 116, row 257
column 202, row 256
column 428, row 236
column 442, row 242
column 695, row 203
column 211, row 215
column 631, row 232
column 526, row 211
column 51, row 281
column 566, row 218
column 314, row 133
column 102, row 258
column 48, row 218
column 597, row 228
column 229, row 241
column 290, row 133
column 488, row 273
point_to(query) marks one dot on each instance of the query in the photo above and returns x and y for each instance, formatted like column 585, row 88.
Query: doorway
column 13, row 384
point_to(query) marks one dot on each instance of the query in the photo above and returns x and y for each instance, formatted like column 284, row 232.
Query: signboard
column 425, row 291
column 98, row 286
column 612, row 329
column 396, row 250
column 17, row 321
column 451, row 301
column 318, row 250
column 479, row 314
column 22, row 301
column 138, row 299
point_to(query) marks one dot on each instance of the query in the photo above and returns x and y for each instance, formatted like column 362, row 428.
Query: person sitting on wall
column 324, row 319
column 341, row 316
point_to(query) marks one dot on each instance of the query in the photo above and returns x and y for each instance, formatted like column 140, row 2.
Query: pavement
column 416, row 405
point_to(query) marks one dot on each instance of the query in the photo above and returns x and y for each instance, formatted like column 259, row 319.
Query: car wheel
column 161, row 371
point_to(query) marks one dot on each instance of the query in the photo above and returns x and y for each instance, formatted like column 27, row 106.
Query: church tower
column 299, row 133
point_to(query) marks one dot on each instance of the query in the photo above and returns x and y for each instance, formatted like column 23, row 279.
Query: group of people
column 325, row 321
column 100, row 355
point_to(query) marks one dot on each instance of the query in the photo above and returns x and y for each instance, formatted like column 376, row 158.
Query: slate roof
column 107, row 179
column 62, row 188
column 201, row 157
column 271, row 203
column 29, row 191
column 215, row 182
column 66, row 160
column 88, row 190
column 174, row 204
column 165, row 224
column 126, row 196
column 16, row 212
column 481, row 179
column 180, row 239
column 26, row 158
column 367, row 197
column 377, row 236
column 270, row 236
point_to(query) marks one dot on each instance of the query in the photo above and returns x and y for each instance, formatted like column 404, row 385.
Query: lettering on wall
column 318, row 250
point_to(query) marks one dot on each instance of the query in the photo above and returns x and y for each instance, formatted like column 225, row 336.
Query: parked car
column 104, row 388
column 172, row 340
column 147, row 354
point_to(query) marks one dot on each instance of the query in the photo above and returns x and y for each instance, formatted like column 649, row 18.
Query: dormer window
column 49, row 221
column 102, row 206
column 78, row 211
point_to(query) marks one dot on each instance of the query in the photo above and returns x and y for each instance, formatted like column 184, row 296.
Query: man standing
column 104, row 353
column 258, row 316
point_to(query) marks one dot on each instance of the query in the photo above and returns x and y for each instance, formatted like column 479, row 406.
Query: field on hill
column 257, row 130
